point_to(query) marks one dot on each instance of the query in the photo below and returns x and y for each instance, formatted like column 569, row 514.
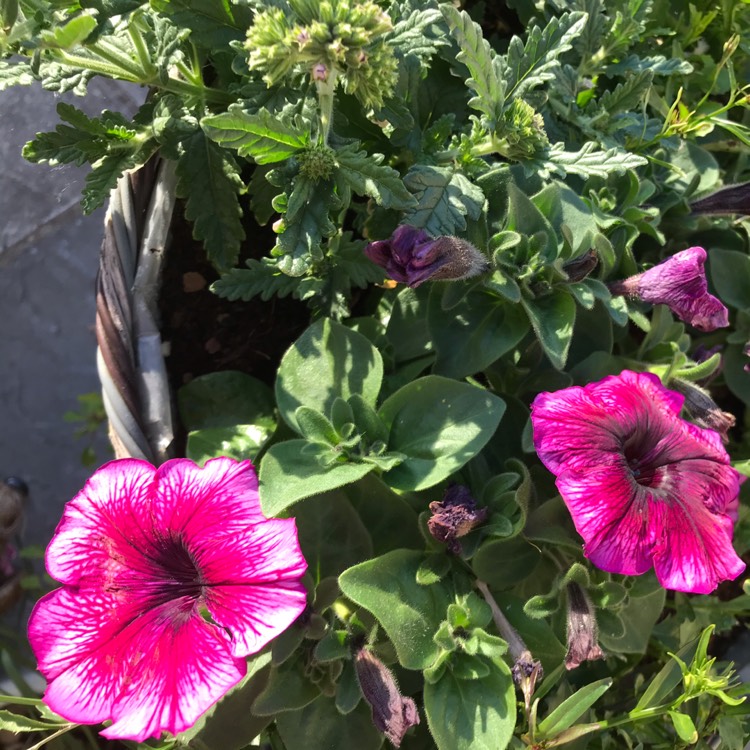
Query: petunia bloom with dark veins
column 412, row 257
column 679, row 282
column 644, row 487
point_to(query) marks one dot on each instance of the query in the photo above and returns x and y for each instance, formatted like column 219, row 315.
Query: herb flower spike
column 679, row 282
column 171, row 577
column 644, row 487
column 411, row 256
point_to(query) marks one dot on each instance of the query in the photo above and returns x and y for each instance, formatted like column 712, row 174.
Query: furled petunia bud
column 454, row 516
column 703, row 409
column 582, row 629
column 411, row 256
column 577, row 269
column 733, row 199
column 392, row 713
column 679, row 282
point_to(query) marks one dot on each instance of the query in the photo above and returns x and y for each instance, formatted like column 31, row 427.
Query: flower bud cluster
column 329, row 39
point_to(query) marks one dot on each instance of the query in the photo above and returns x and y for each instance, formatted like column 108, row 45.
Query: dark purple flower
column 679, row 282
column 454, row 516
column 734, row 199
column 412, row 257
column 704, row 411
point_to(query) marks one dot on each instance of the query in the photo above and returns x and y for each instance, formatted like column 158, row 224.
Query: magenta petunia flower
column 644, row 487
column 412, row 257
column 679, row 282
column 171, row 576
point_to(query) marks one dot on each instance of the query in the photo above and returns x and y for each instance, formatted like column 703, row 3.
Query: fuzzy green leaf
column 627, row 95
column 262, row 136
column 529, row 64
column 261, row 278
column 657, row 64
column 416, row 33
column 444, row 199
column 590, row 161
column 15, row 723
column 365, row 174
column 209, row 179
column 553, row 317
column 14, row 74
column 69, row 34
column 476, row 54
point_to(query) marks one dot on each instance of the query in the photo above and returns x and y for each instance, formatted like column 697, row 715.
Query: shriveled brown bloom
column 454, row 516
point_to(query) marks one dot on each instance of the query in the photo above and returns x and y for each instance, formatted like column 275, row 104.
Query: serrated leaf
column 657, row 64
column 209, row 179
column 365, row 174
column 306, row 222
column 590, row 161
column 413, row 35
column 477, row 55
column 444, row 199
column 261, row 278
column 212, row 23
column 529, row 64
column 262, row 136
column 14, row 74
column 11, row 722
column 627, row 95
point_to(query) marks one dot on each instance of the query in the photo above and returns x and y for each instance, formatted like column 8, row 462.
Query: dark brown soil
column 205, row 333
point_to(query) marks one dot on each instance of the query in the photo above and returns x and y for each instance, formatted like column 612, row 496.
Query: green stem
column 326, row 91
column 141, row 49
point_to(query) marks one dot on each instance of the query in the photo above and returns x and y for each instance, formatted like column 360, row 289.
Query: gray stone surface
column 48, row 264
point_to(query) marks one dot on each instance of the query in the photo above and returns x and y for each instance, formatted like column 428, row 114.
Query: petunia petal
column 256, row 614
column 178, row 665
column 264, row 553
column 611, row 514
column 220, row 497
column 90, row 542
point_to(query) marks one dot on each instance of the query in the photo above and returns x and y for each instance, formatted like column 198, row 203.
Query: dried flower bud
column 413, row 257
column 734, row 199
column 454, row 516
column 679, row 282
column 582, row 629
column 392, row 713
column 577, row 269
column 703, row 409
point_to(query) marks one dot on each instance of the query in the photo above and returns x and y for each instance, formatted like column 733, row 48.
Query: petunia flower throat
column 171, row 576
column 644, row 487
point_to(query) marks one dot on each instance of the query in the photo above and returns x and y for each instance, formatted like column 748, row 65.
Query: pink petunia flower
column 644, row 487
column 171, row 576
column 679, row 282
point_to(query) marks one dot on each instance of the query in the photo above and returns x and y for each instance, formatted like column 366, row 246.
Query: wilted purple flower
column 392, row 713
column 734, row 199
column 679, row 282
column 413, row 257
column 583, row 644
column 704, row 411
column 454, row 516
column 577, row 269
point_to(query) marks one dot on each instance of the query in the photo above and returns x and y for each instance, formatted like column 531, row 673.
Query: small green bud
column 317, row 162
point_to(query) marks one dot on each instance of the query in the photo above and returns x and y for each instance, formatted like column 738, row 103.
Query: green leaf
column 589, row 161
column 472, row 714
column 529, row 64
column 331, row 534
column 571, row 709
column 330, row 729
column 15, row 74
column 209, row 179
column 11, row 722
column 365, row 174
column 730, row 272
column 239, row 441
column 417, row 34
column 288, row 474
column 69, row 34
column 627, row 95
column 262, row 135
column 213, row 24
column 287, row 689
column 410, row 613
column 326, row 362
column 439, row 425
column 472, row 335
column 638, row 618
column 486, row 80
column 684, row 727
column 306, row 222
column 444, row 199
column 553, row 317
column 657, row 64
column 225, row 399
column 261, row 278
column 106, row 171
column 502, row 563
